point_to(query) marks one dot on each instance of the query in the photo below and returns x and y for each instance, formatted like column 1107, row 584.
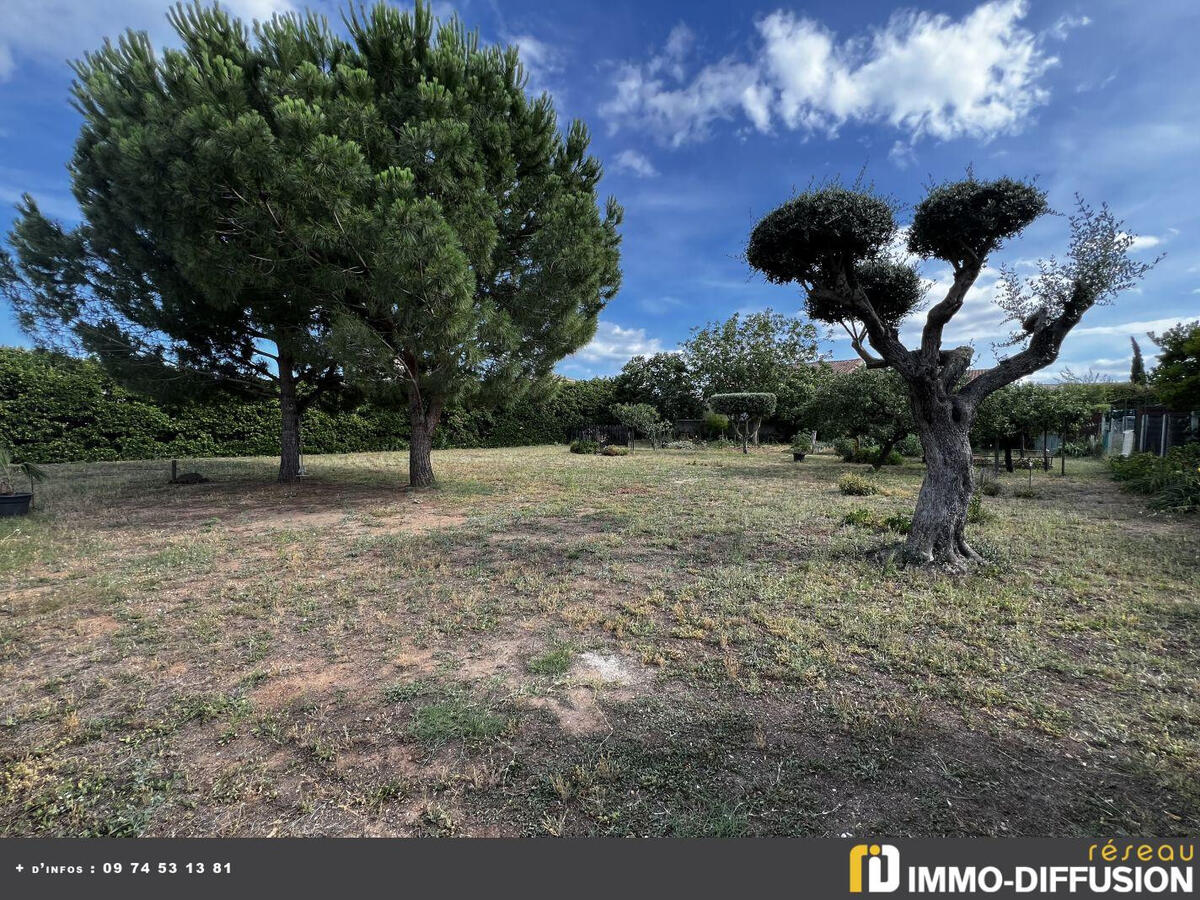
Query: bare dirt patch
column 312, row 678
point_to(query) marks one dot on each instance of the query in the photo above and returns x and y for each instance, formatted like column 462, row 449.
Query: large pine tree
column 277, row 203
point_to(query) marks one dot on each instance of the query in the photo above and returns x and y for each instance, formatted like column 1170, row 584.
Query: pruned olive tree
column 834, row 242
column 635, row 417
column 753, row 406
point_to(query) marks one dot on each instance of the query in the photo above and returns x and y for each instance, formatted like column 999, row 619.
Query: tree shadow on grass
column 773, row 769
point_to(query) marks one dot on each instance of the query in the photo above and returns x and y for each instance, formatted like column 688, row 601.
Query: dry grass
column 665, row 643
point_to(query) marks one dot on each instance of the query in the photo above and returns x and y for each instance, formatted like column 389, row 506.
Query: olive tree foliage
column 866, row 403
column 833, row 241
column 755, row 406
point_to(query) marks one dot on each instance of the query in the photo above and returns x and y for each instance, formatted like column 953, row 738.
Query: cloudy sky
column 709, row 114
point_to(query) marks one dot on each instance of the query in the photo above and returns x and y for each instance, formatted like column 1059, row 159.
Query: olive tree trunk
column 938, row 535
column 423, row 421
column 289, row 430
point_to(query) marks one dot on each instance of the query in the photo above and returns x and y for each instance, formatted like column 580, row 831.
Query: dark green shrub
column 910, row 446
column 715, row 424
column 585, row 445
column 866, row 453
column 975, row 511
column 844, row 447
column 990, row 488
column 899, row 523
column 802, row 443
column 613, row 450
column 1173, row 480
column 861, row 518
column 55, row 408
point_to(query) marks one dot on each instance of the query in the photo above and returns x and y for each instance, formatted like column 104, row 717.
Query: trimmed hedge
column 55, row 408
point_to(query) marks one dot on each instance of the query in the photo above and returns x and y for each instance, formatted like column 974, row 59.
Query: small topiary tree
column 756, row 406
column 834, row 241
column 636, row 417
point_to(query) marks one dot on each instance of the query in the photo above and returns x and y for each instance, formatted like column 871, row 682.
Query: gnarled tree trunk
column 289, row 430
column 938, row 535
column 423, row 421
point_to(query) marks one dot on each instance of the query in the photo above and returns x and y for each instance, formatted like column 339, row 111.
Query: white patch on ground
column 605, row 667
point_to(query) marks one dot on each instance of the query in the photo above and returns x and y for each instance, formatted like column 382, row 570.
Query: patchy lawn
column 671, row 643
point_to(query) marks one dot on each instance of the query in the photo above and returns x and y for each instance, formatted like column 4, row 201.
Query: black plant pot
column 797, row 457
column 15, row 504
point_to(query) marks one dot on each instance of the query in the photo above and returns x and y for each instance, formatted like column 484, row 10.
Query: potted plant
column 13, row 502
column 801, row 445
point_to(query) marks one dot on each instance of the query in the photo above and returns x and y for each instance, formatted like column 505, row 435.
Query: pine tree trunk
column 938, row 535
column 289, row 431
column 420, row 447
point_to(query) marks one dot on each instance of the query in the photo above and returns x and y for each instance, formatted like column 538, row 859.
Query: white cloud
column 541, row 60
column 636, row 164
column 1130, row 328
column 902, row 154
column 614, row 344
column 1144, row 242
column 1065, row 25
column 657, row 306
column 54, row 31
column 925, row 74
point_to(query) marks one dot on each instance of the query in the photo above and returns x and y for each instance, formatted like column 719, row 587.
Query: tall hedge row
column 54, row 408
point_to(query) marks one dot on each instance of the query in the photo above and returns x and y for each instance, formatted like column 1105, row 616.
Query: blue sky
column 709, row 114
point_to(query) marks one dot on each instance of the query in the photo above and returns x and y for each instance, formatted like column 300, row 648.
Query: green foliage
column 614, row 450
column 715, row 424
column 975, row 511
column 1137, row 366
column 585, row 445
column 757, row 352
column 802, row 442
column 55, row 408
column 755, row 405
column 898, row 522
column 866, row 518
column 1031, row 409
column 662, row 380
column 1176, row 378
column 964, row 221
column 825, row 222
column 910, row 445
column 455, row 718
column 553, row 662
column 11, row 470
column 857, row 486
column 388, row 206
column 865, row 453
column 1173, row 481
column 990, row 488
column 860, row 517
column 867, row 404
column 637, row 416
